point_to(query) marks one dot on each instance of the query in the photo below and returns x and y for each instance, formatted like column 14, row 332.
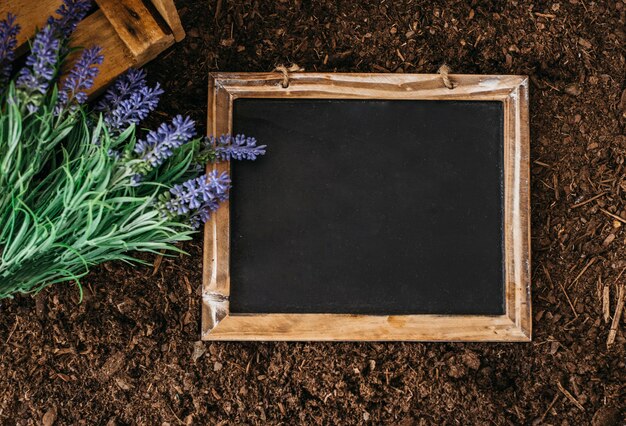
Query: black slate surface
column 369, row 207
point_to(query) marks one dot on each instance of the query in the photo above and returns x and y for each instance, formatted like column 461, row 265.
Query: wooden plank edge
column 96, row 30
column 137, row 28
column 30, row 16
column 170, row 15
column 368, row 86
column 345, row 327
column 526, row 321
column 215, row 269
column 257, row 79
column 215, row 307
column 520, row 311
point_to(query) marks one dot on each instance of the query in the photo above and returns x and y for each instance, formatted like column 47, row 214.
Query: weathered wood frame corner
column 514, row 325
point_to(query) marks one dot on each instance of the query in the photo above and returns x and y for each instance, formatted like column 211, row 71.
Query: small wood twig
column 614, row 216
column 555, row 186
column 545, row 15
column 541, row 163
column 620, row 275
column 157, row 263
column 545, row 270
column 582, row 203
column 616, row 317
column 606, row 306
column 606, row 309
column 589, row 263
column 543, row 417
column 17, row 320
column 569, row 396
column 571, row 305
column 218, row 9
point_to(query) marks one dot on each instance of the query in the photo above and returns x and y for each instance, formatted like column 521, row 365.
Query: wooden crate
column 130, row 32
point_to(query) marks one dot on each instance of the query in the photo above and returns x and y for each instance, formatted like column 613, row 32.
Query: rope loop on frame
column 444, row 71
column 285, row 72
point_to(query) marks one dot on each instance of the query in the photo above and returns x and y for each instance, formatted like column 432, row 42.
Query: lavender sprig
column 200, row 217
column 239, row 147
column 159, row 144
column 80, row 78
column 134, row 109
column 70, row 14
column 132, row 81
column 34, row 79
column 197, row 198
column 8, row 41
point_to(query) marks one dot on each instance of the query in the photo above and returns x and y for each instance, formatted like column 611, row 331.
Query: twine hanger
column 285, row 72
column 444, row 71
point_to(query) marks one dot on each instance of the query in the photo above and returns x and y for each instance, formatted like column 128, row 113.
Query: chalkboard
column 369, row 207
column 386, row 208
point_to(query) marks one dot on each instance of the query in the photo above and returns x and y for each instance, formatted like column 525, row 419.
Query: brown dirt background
column 126, row 354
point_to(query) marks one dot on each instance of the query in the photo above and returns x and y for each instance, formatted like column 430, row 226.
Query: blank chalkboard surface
column 369, row 207
column 387, row 207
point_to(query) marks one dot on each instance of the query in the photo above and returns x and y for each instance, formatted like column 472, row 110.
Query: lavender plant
column 238, row 147
column 80, row 185
column 80, row 78
column 8, row 33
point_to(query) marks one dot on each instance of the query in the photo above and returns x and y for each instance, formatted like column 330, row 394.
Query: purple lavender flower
column 238, row 148
column 132, row 81
column 34, row 79
column 136, row 179
column 200, row 217
column 80, row 78
column 158, row 145
column 114, row 154
column 134, row 109
column 198, row 197
column 8, row 33
column 70, row 14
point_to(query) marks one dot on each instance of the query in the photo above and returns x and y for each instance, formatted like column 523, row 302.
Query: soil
column 129, row 353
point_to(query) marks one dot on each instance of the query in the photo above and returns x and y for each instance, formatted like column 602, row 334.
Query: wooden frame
column 514, row 325
column 130, row 32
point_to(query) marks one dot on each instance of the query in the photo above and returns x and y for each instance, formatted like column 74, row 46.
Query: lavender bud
column 80, row 78
column 133, row 109
column 238, row 148
column 124, row 86
column 159, row 145
column 34, row 79
column 197, row 198
column 8, row 41
column 70, row 14
column 114, row 154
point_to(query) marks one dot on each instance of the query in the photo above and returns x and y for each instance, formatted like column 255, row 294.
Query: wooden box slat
column 137, row 28
column 168, row 11
column 31, row 15
column 126, row 30
column 98, row 31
